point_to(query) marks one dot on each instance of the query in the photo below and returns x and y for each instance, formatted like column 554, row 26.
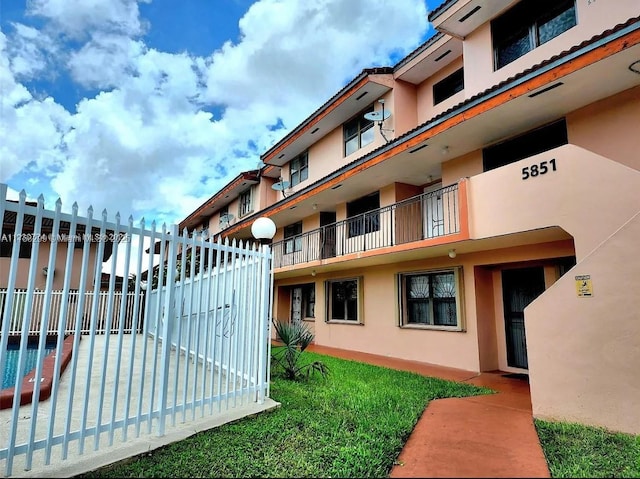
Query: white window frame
column 459, row 299
column 248, row 205
column 363, row 126
column 359, row 301
column 293, row 243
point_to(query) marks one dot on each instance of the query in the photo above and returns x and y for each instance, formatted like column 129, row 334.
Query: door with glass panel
column 296, row 305
column 433, row 212
column 519, row 288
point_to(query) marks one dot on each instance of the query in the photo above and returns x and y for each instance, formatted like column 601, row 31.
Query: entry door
column 519, row 288
column 328, row 234
column 433, row 212
column 296, row 305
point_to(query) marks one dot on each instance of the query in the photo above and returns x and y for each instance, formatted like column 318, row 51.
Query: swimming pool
column 11, row 364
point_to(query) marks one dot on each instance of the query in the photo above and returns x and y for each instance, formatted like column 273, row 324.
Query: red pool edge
column 48, row 370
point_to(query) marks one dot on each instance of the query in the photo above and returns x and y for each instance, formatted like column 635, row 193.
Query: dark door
column 328, row 234
column 519, row 288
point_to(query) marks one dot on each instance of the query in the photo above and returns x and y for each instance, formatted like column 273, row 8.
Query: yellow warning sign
column 584, row 288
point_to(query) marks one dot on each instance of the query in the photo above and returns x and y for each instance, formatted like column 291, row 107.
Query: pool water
column 11, row 365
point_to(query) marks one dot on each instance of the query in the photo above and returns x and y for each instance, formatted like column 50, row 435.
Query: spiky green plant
column 295, row 337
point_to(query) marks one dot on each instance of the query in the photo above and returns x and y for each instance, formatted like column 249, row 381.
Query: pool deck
column 112, row 445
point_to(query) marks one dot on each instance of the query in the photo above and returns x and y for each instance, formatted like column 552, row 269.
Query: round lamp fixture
column 452, row 253
column 263, row 229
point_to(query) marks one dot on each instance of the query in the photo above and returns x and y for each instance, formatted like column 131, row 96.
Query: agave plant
column 296, row 337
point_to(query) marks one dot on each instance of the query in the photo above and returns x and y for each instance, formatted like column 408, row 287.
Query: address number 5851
column 541, row 168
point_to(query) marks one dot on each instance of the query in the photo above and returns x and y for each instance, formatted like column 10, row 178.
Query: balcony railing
column 429, row 215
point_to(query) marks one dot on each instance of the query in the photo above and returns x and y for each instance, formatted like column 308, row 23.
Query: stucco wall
column 584, row 352
column 609, row 127
column 22, row 277
column 476, row 348
column 327, row 154
column 589, row 196
column 426, row 108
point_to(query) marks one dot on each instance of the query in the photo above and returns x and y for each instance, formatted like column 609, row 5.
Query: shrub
column 295, row 337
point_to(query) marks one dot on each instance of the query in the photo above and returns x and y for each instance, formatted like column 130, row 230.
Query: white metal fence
column 56, row 303
column 191, row 340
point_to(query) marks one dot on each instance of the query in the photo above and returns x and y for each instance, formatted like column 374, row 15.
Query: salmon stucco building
column 476, row 205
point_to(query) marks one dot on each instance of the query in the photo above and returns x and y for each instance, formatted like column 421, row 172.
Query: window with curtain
column 431, row 299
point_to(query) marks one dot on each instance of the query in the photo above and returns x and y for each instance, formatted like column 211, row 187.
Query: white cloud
column 31, row 129
column 105, row 60
column 75, row 18
column 147, row 144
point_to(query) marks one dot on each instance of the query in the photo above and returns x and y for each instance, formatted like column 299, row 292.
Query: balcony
column 429, row 216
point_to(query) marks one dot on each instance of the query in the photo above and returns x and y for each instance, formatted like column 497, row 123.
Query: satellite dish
column 226, row 218
column 281, row 186
column 380, row 115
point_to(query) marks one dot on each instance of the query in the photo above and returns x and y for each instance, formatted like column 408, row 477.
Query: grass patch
column 574, row 450
column 351, row 424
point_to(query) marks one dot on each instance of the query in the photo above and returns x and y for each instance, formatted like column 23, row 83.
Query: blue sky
column 148, row 107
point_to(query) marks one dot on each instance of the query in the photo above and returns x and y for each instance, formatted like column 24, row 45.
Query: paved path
column 480, row 436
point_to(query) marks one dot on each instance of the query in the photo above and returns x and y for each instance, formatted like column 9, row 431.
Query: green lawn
column 574, row 450
column 353, row 424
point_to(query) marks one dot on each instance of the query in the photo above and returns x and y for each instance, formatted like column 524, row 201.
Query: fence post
column 263, row 322
column 169, row 314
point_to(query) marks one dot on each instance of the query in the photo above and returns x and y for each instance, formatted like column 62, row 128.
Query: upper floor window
column 448, row 86
column 363, row 215
column 293, row 240
column 299, row 168
column 358, row 132
column 245, row 202
column 523, row 146
column 528, row 25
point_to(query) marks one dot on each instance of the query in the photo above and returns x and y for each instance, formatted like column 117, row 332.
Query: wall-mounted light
column 45, row 271
column 452, row 253
column 445, row 150
column 315, row 206
column 313, row 272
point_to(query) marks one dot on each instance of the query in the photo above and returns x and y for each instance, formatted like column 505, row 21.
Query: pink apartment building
column 488, row 219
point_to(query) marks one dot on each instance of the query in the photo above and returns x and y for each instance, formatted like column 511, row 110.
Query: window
column 343, row 300
column 309, row 300
column 358, row 132
column 430, row 299
column 528, row 144
column 6, row 244
column 245, row 202
column 363, row 215
column 448, row 87
column 224, row 218
column 528, row 25
column 293, row 240
column 299, row 168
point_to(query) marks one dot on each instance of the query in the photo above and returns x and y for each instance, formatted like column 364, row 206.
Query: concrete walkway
column 481, row 436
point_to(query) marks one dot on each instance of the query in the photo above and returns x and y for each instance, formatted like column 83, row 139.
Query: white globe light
column 263, row 228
